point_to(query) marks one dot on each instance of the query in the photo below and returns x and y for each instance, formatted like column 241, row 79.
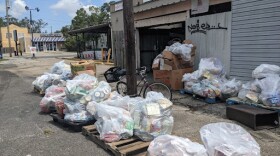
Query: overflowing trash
column 210, row 80
column 168, row 145
column 62, row 69
column 170, row 66
column 265, row 88
column 226, row 139
column 151, row 117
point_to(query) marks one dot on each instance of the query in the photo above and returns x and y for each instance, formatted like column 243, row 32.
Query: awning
column 48, row 39
column 102, row 28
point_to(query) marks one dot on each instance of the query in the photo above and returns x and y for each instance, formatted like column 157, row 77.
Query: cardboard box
column 155, row 65
column 89, row 72
column 177, row 76
column 173, row 78
column 162, row 76
column 164, row 66
column 168, row 55
column 82, row 66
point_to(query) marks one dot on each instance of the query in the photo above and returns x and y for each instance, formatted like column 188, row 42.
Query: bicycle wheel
column 122, row 88
column 159, row 87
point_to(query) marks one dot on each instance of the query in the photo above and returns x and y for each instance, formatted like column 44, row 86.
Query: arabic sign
column 203, row 28
column 199, row 6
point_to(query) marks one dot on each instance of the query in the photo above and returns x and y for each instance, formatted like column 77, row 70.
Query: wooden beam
column 129, row 36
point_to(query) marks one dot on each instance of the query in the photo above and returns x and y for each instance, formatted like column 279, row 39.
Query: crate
column 75, row 126
column 236, row 100
column 253, row 117
column 133, row 146
column 199, row 97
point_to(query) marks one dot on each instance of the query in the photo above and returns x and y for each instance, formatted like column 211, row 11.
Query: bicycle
column 116, row 74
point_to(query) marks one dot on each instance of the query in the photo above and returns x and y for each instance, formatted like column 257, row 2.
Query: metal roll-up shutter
column 255, row 36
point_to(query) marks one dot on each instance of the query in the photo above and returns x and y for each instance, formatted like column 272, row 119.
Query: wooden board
column 131, row 146
column 75, row 126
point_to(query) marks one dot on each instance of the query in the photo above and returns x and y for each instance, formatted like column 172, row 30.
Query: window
column 9, row 35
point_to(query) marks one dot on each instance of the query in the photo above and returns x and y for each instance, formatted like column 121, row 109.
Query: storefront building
column 160, row 22
column 49, row 42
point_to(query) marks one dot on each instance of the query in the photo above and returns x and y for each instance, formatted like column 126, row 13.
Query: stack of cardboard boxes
column 169, row 69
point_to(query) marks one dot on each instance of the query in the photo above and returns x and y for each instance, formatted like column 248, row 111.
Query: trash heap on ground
column 265, row 88
column 59, row 73
column 176, row 60
column 219, row 139
column 210, row 81
column 122, row 117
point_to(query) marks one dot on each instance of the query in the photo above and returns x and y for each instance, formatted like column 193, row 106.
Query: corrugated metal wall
column 255, row 36
column 215, row 42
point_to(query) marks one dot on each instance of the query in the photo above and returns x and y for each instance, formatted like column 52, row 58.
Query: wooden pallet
column 132, row 146
column 42, row 93
column 199, row 97
column 75, row 126
column 236, row 100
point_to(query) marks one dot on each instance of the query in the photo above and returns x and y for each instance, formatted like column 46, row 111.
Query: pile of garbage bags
column 219, row 139
column 121, row 117
column 59, row 73
column 210, row 80
column 265, row 88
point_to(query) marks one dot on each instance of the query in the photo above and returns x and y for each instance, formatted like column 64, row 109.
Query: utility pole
column 129, row 36
column 8, row 25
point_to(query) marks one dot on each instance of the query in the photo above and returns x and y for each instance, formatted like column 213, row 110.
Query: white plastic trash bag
column 230, row 88
column 82, row 116
column 270, row 87
column 62, row 69
column 99, row 94
column 226, row 139
column 80, row 86
column 54, row 96
column 184, row 50
column 265, row 70
column 211, row 65
column 168, row 145
column 153, row 117
column 112, row 123
column 45, row 81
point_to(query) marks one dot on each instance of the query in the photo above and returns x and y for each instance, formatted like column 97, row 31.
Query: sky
column 56, row 13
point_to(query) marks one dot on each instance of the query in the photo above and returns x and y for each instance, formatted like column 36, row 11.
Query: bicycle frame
column 143, row 80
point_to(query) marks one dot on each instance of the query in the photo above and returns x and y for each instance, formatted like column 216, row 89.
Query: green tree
column 2, row 22
column 97, row 15
column 80, row 20
column 39, row 25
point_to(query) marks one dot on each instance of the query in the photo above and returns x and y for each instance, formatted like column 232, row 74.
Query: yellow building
column 22, row 33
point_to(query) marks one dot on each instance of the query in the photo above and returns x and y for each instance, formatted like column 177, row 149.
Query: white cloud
column 18, row 8
column 70, row 7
